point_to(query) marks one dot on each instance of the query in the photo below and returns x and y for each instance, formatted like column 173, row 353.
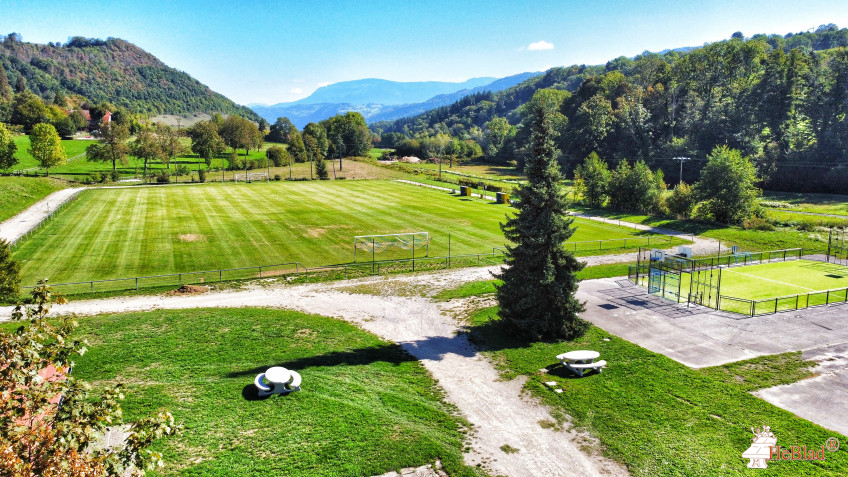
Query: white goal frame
column 369, row 242
column 253, row 176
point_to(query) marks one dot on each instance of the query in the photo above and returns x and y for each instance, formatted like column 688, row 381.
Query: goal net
column 373, row 244
column 252, row 176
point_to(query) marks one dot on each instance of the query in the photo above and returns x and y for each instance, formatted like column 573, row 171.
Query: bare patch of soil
column 188, row 290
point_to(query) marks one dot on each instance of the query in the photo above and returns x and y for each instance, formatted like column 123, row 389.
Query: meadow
column 18, row 193
column 366, row 406
column 117, row 233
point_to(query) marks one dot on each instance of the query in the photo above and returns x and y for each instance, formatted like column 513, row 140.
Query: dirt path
column 500, row 414
column 16, row 227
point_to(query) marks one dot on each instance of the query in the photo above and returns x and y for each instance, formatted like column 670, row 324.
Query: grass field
column 18, row 193
column 366, row 406
column 657, row 416
column 116, row 233
column 74, row 148
column 805, row 202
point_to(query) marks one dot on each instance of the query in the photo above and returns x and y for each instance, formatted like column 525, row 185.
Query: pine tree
column 537, row 299
column 321, row 169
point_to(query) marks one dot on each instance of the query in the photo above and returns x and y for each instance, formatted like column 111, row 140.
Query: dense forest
column 781, row 100
column 109, row 71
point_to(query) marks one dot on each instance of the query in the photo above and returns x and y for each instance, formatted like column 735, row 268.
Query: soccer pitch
column 120, row 233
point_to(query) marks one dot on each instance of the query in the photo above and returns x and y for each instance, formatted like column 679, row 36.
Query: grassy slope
column 144, row 231
column 817, row 203
column 366, row 407
column 654, row 414
column 748, row 240
column 18, row 193
column 72, row 147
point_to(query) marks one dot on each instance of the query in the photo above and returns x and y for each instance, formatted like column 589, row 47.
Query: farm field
column 18, row 193
column 366, row 406
column 118, row 233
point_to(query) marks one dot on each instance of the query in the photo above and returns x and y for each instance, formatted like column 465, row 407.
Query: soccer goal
column 373, row 244
column 252, row 176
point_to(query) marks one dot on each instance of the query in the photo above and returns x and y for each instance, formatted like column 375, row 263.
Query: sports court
column 747, row 283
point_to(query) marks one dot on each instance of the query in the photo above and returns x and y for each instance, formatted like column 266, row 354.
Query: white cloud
column 325, row 83
column 295, row 91
column 540, row 45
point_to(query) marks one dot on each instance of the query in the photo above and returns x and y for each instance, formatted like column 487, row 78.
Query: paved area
column 700, row 337
column 820, row 399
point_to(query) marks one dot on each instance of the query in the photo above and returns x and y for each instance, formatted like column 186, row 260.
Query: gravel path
column 500, row 413
column 16, row 227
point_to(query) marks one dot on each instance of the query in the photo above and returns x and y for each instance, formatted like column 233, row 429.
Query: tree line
column 782, row 101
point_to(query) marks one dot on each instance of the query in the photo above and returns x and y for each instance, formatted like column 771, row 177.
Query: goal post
column 373, row 244
column 252, row 176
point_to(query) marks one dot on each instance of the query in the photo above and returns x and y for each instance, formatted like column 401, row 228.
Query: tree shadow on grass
column 433, row 348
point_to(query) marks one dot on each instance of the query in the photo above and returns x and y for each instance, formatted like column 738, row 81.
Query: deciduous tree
column 591, row 180
column 205, row 141
column 728, row 186
column 46, row 146
column 147, row 147
column 112, row 145
column 10, row 273
column 7, row 148
column 39, row 437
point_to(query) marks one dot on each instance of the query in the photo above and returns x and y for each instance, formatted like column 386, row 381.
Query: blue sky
column 276, row 51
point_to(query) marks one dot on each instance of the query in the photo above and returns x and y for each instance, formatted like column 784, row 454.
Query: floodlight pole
column 682, row 160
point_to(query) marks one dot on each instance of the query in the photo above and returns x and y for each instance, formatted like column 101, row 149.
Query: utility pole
column 682, row 160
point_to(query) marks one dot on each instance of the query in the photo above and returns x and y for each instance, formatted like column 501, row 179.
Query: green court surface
column 130, row 232
column 763, row 288
column 770, row 280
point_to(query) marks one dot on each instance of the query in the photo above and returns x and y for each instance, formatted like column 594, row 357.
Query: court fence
column 664, row 278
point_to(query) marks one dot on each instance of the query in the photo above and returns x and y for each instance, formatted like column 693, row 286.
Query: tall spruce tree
column 537, row 298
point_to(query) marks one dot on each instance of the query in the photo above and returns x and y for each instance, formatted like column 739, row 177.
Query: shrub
column 278, row 177
column 681, row 201
column 115, row 175
column 201, row 175
column 163, row 177
column 756, row 223
column 95, row 177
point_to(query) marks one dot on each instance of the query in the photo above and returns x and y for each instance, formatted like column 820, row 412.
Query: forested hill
column 110, row 71
column 781, row 100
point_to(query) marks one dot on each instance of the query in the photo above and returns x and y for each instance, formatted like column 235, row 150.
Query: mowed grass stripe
column 121, row 233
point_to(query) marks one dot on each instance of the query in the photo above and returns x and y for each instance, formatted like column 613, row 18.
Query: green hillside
column 110, row 71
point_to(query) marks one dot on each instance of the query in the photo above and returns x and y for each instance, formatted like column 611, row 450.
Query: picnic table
column 281, row 380
column 580, row 360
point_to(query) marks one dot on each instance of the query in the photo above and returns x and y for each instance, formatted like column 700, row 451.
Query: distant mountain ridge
column 380, row 100
column 113, row 71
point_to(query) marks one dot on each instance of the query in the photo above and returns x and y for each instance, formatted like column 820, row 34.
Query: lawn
column 366, row 406
column 654, row 414
column 18, row 193
column 117, row 233
column 806, row 202
column 74, row 150
column 748, row 240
